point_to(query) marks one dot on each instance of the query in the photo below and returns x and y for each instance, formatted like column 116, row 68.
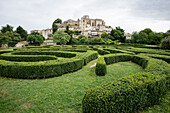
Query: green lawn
column 58, row 94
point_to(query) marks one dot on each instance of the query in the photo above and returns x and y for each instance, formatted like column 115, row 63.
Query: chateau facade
column 87, row 27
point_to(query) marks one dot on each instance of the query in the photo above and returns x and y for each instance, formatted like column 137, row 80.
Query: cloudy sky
column 131, row 15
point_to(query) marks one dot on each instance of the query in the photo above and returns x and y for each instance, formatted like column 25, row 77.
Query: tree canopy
column 61, row 37
column 54, row 25
column 35, row 38
column 7, row 28
column 22, row 32
column 147, row 36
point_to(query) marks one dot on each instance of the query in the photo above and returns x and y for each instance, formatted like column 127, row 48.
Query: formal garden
column 84, row 78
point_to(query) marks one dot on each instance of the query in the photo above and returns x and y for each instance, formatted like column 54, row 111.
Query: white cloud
column 39, row 14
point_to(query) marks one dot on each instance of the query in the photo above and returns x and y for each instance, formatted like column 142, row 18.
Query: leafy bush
column 44, row 69
column 126, row 95
column 113, row 58
column 101, row 67
column 165, row 43
column 87, row 57
column 157, row 56
column 103, row 52
column 119, row 51
column 150, row 51
column 56, row 53
column 5, row 51
column 131, row 93
column 27, row 58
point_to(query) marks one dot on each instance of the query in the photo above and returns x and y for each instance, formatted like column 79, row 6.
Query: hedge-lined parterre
column 150, row 51
column 24, row 64
column 130, row 93
column 157, row 56
column 119, row 51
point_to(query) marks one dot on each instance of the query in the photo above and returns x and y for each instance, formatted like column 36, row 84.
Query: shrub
column 101, row 67
column 150, row 51
column 131, row 93
column 27, row 58
column 87, row 57
column 157, row 56
column 5, row 51
column 56, row 53
column 126, row 95
column 44, row 69
column 165, row 43
column 103, row 52
column 119, row 51
column 113, row 58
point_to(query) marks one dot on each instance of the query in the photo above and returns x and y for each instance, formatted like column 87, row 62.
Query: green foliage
column 61, row 37
column 118, row 35
column 103, row 52
column 147, row 36
column 157, row 56
column 54, row 26
column 104, row 35
column 150, row 51
column 119, row 51
column 4, row 38
column 22, row 32
column 101, row 67
column 7, row 28
column 27, row 58
column 120, row 29
column 96, row 40
column 55, row 53
column 58, row 20
column 127, row 94
column 113, row 58
column 165, row 43
column 35, row 39
column 132, row 93
column 42, row 69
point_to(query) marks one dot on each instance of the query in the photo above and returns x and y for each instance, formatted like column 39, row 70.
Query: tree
column 104, row 35
column 165, row 43
column 61, row 37
column 120, row 29
column 35, row 39
column 4, row 38
column 168, row 31
column 118, row 35
column 54, row 25
column 7, row 28
column 147, row 31
column 22, row 32
column 58, row 20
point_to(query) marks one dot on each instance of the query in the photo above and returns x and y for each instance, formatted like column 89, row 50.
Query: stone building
column 87, row 27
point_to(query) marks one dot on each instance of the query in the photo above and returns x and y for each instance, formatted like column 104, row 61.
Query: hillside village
column 86, row 26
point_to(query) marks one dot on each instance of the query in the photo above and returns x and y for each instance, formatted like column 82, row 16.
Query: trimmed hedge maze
column 42, row 62
column 130, row 93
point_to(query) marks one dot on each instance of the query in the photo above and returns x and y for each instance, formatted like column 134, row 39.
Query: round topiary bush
column 165, row 43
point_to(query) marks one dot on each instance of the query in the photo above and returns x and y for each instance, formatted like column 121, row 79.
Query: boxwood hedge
column 157, row 56
column 101, row 67
column 26, row 58
column 103, row 52
column 33, row 64
column 130, row 93
column 119, row 51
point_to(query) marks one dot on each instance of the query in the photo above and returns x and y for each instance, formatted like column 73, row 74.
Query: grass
column 58, row 94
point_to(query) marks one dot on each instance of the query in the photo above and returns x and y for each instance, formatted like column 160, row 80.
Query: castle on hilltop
column 87, row 27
